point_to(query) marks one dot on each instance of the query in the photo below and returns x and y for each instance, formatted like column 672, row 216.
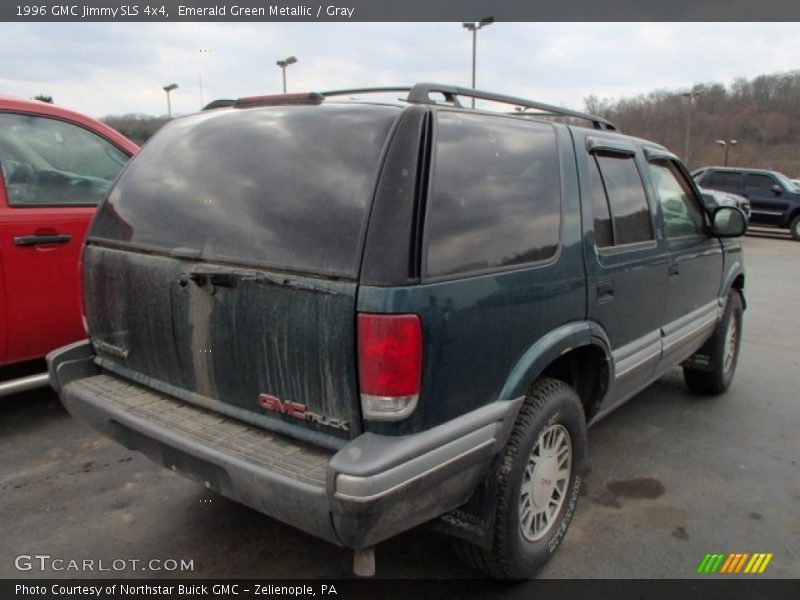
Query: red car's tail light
column 389, row 365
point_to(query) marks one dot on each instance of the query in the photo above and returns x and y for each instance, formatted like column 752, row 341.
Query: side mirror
column 728, row 221
column 776, row 190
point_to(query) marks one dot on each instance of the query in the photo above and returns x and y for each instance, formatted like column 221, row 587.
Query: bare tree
column 762, row 114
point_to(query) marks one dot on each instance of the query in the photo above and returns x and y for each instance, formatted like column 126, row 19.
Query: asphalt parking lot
column 672, row 477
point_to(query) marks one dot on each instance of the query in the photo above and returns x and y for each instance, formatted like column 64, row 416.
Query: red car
column 55, row 166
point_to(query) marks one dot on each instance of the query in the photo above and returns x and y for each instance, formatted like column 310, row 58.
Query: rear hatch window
column 287, row 187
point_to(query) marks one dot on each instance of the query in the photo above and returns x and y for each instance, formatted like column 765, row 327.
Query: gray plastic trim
column 477, row 444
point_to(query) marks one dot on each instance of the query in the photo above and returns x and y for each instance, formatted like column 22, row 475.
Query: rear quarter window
column 495, row 194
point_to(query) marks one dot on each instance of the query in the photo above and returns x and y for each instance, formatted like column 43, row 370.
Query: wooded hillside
column 762, row 114
column 135, row 127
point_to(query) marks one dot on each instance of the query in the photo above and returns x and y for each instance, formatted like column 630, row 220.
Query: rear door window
column 758, row 182
column 495, row 195
column 626, row 198
column 285, row 187
column 726, row 180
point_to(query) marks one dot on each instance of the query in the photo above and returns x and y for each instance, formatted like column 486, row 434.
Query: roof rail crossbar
column 370, row 90
column 421, row 92
column 448, row 97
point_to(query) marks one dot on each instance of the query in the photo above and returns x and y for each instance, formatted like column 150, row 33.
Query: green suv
column 358, row 316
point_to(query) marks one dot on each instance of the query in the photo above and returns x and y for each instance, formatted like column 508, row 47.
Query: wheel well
column 586, row 369
column 738, row 283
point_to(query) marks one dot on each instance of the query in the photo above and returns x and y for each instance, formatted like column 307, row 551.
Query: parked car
column 774, row 199
column 714, row 198
column 358, row 317
column 55, row 166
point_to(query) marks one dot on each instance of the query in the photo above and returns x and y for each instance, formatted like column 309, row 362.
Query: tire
column 794, row 228
column 550, row 415
column 722, row 365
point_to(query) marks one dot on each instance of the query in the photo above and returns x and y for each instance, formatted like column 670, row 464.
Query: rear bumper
column 373, row 488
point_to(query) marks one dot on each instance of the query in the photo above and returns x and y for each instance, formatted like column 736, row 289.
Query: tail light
column 279, row 100
column 389, row 365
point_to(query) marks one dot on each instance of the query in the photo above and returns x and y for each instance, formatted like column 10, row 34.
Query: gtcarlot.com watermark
column 46, row 563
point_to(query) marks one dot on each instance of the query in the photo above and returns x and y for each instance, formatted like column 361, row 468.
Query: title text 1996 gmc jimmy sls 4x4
column 357, row 317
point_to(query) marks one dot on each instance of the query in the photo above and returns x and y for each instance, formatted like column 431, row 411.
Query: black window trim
column 364, row 227
column 593, row 158
column 609, row 145
column 654, row 153
column 424, row 276
column 81, row 126
column 418, row 254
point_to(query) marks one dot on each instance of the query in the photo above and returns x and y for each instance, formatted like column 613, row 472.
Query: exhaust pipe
column 364, row 562
column 15, row 386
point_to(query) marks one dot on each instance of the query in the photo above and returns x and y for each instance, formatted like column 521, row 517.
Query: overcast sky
column 118, row 68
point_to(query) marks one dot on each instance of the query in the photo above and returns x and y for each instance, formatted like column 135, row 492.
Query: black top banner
column 398, row 10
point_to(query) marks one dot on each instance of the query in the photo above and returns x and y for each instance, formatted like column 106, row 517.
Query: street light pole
column 283, row 64
column 474, row 27
column 474, row 58
column 691, row 95
column 168, row 89
column 727, row 146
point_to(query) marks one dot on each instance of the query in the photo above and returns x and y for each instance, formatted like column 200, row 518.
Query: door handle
column 605, row 290
column 36, row 240
column 674, row 270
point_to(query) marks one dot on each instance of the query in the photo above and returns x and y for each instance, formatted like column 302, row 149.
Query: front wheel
column 538, row 483
column 722, row 350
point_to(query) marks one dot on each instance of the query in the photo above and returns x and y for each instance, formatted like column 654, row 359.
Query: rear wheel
column 537, row 483
column 722, row 350
column 794, row 228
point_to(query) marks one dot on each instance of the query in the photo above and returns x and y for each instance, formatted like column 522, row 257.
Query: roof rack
column 421, row 94
column 371, row 90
